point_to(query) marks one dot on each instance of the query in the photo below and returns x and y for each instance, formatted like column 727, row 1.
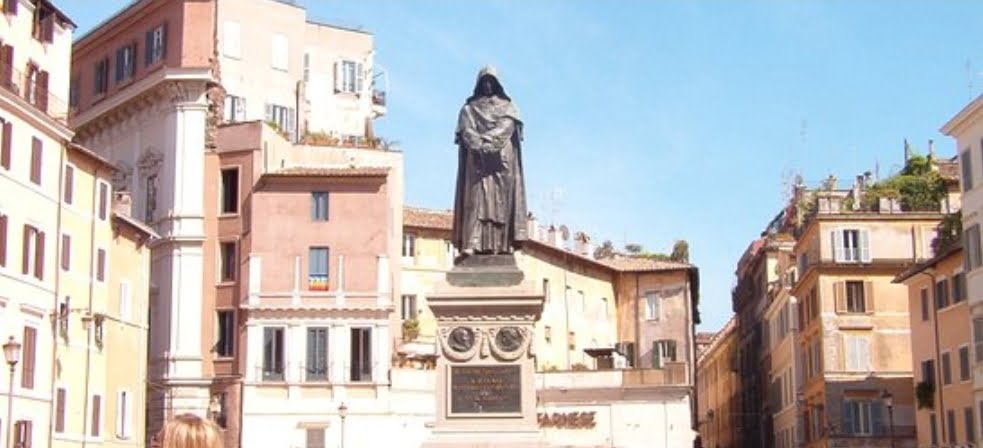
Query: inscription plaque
column 486, row 389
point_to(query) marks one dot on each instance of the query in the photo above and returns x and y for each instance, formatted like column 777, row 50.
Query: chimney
column 582, row 245
column 122, row 203
column 532, row 226
column 931, row 149
column 553, row 236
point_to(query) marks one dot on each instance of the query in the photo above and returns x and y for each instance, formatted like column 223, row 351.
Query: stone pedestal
column 486, row 394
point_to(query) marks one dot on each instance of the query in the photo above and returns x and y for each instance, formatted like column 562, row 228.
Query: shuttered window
column 101, row 265
column 36, row 154
column 361, row 354
column 317, row 354
column 5, row 142
column 978, row 338
column 23, row 434
column 273, row 354
column 946, row 369
column 103, row 200
column 69, row 194
column 60, row 409
column 66, row 252
column 857, row 353
column 28, row 356
column 96, row 429
column 3, row 240
column 32, row 260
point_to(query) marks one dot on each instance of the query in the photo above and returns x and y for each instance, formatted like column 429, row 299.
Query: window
column 307, row 67
column 156, row 44
column 409, row 306
column 7, row 67
column 33, row 252
column 102, row 76
column 60, row 397
column 235, row 108
column 101, row 265
column 857, row 417
column 43, row 24
column 66, row 252
column 68, row 195
column 361, row 354
column 803, row 263
column 281, row 55
column 942, row 293
column 125, row 301
column 123, row 410
column 125, row 62
column 283, row 118
column 317, row 354
column 933, row 429
column 409, row 245
column 950, row 416
column 96, row 429
column 928, row 371
column 317, row 275
column 966, row 162
column 28, row 356
column 228, row 263
column 273, row 354
column 946, row 369
column 319, row 206
column 851, row 246
column 924, row 299
column 230, row 44
column 37, row 87
column 103, row 200
column 652, row 310
column 73, row 92
column 23, row 428
column 5, row 142
column 857, row 353
column 230, row 190
column 970, row 424
column 3, row 240
column 855, row 297
column 964, row 371
column 348, row 77
column 958, row 288
column 315, row 438
column 978, row 338
column 226, row 333
column 663, row 351
column 546, row 289
column 36, row 155
column 971, row 238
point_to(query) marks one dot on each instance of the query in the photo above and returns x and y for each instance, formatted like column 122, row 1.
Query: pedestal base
column 488, row 439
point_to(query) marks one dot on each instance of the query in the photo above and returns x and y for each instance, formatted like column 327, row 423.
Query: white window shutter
column 863, row 353
column 227, row 110
column 241, row 109
column 125, row 300
column 864, row 245
column 838, row 253
column 269, row 112
column 359, row 77
column 337, row 76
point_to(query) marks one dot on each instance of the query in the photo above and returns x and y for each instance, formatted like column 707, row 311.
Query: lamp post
column 889, row 402
column 342, row 412
column 11, row 352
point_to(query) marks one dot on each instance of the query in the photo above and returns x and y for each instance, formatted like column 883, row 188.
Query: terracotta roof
column 91, row 154
column 638, row 264
column 428, row 219
column 705, row 337
column 949, row 170
column 330, row 171
column 147, row 230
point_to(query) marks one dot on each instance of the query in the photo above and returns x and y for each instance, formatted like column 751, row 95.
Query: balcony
column 378, row 98
column 33, row 90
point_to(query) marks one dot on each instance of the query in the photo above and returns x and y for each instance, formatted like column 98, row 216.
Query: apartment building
column 966, row 127
column 940, row 344
column 784, row 370
column 100, row 322
column 176, row 94
column 717, row 388
column 854, row 330
column 35, row 41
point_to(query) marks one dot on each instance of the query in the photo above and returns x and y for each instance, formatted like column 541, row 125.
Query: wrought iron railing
column 30, row 88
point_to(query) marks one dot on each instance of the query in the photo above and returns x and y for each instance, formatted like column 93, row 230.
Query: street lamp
column 11, row 352
column 889, row 402
column 342, row 412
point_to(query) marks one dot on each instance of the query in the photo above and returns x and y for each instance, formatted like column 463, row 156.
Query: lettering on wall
column 567, row 420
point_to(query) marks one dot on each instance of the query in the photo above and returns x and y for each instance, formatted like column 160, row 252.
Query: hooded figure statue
column 490, row 198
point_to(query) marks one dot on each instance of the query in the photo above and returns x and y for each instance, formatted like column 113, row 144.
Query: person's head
column 488, row 85
column 189, row 431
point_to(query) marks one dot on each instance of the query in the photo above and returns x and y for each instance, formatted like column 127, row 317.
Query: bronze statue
column 490, row 199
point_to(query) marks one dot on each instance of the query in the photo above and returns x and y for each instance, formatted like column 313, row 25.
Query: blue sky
column 658, row 121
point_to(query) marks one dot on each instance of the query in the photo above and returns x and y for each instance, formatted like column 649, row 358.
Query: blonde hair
column 190, row 431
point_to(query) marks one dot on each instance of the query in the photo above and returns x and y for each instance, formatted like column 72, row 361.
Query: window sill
column 225, row 283
column 224, row 358
column 228, row 215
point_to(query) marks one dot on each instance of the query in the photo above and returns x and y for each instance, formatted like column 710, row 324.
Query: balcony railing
column 378, row 97
column 673, row 374
column 33, row 92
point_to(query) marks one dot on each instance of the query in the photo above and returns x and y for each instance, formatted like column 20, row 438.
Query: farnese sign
column 567, row 420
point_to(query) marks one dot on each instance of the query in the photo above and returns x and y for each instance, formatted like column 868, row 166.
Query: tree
column 605, row 250
column 633, row 248
column 680, row 251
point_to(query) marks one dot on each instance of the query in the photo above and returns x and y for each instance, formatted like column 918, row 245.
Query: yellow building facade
column 717, row 389
column 941, row 350
column 100, row 320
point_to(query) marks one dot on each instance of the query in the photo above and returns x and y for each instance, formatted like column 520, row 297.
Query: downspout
column 638, row 343
column 54, row 316
column 88, row 310
column 938, row 354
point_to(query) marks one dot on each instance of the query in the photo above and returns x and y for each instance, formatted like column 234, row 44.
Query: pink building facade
column 264, row 241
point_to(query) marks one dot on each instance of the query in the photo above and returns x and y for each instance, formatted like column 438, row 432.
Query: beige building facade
column 717, row 388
